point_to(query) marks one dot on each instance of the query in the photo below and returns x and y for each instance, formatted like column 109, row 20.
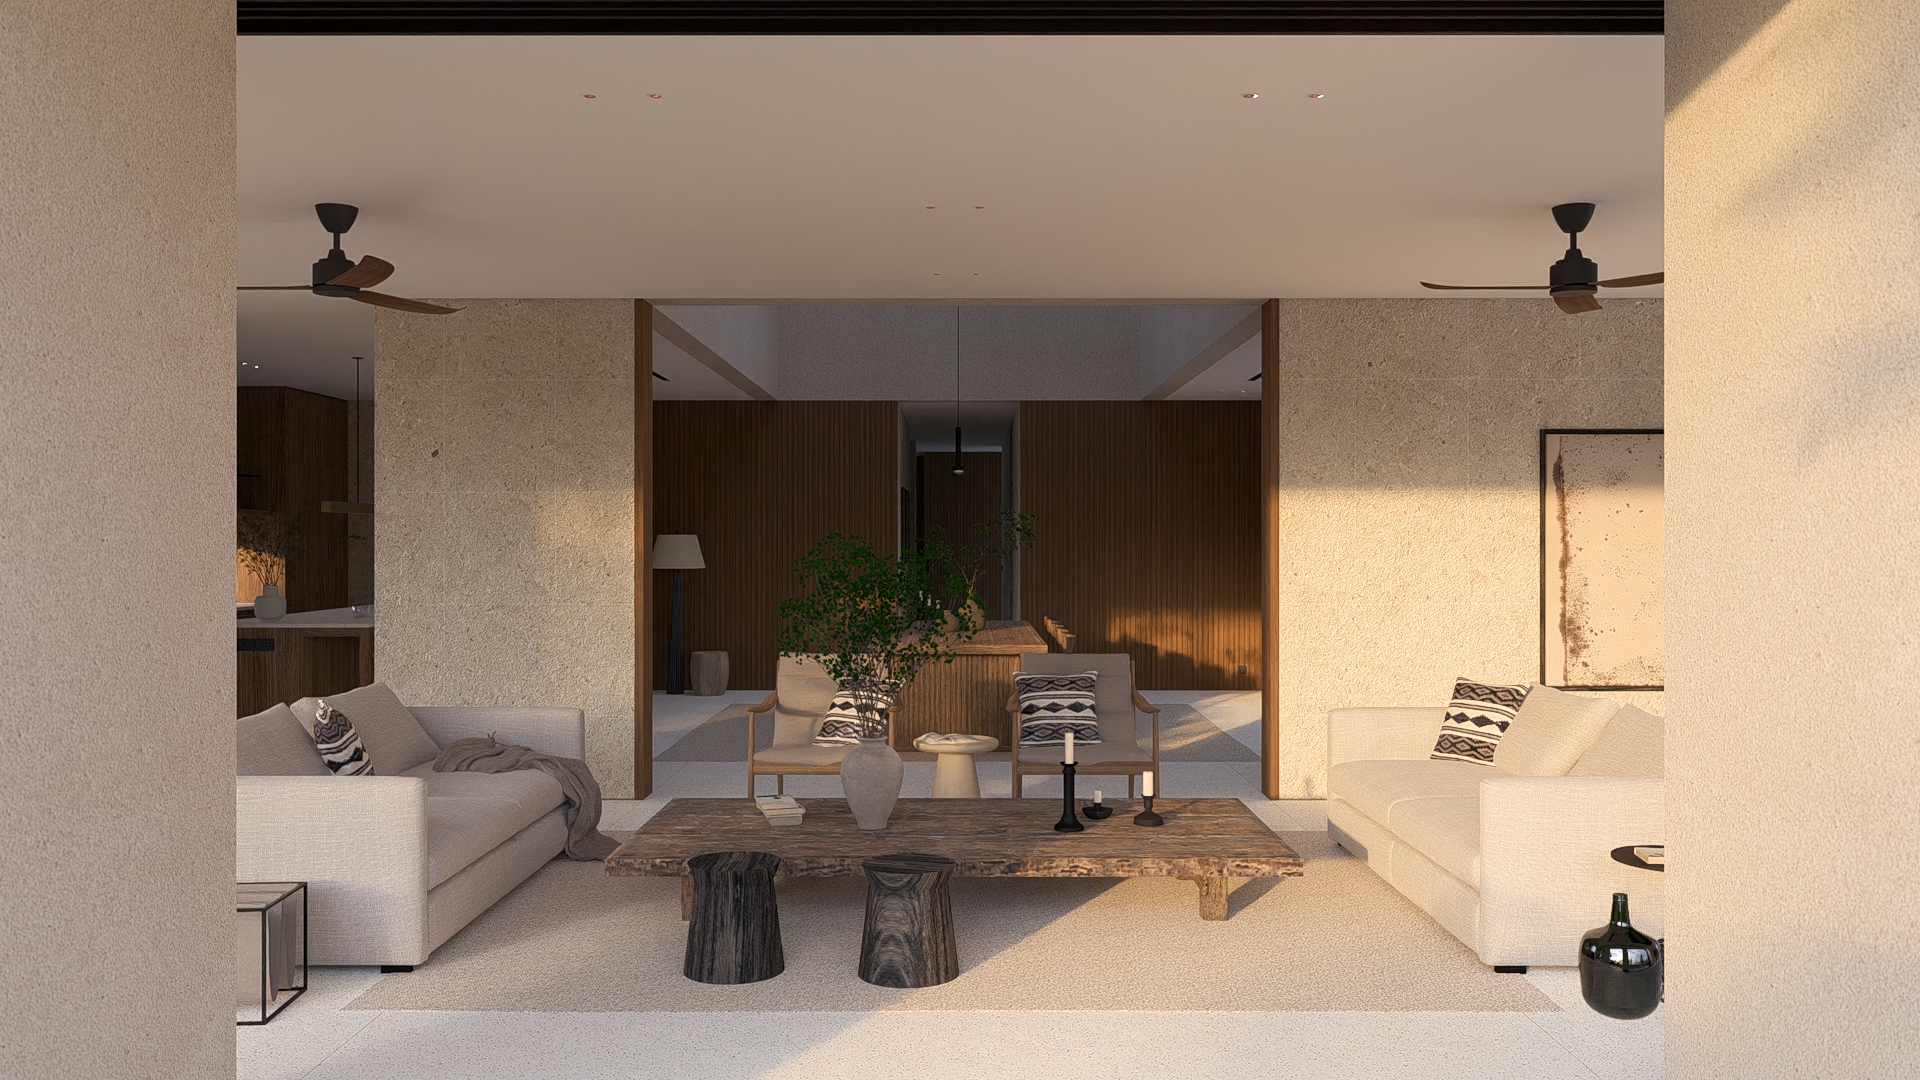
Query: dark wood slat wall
column 1149, row 534
column 955, row 504
column 295, row 444
column 760, row 482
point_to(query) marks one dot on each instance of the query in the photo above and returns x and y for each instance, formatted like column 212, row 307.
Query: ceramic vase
column 269, row 604
column 870, row 775
column 1622, row 971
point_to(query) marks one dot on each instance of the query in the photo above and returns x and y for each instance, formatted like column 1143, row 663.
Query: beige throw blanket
column 584, row 838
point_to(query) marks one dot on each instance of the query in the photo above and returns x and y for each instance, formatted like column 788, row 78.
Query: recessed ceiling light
column 1249, row 97
column 929, row 207
column 936, row 273
column 655, row 97
column 979, row 208
column 1316, row 97
column 976, row 273
column 588, row 95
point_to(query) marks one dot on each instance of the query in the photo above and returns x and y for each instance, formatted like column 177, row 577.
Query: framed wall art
column 1602, row 559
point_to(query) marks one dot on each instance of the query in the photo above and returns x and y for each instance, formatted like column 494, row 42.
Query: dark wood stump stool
column 734, row 935
column 909, row 936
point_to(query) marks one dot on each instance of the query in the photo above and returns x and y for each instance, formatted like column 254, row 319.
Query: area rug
column 1185, row 735
column 1337, row 939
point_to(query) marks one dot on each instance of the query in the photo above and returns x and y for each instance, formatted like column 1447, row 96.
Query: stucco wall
column 503, row 499
column 1409, row 541
column 116, row 539
column 1793, row 571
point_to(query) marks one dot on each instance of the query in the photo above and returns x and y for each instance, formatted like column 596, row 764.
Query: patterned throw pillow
column 1476, row 718
column 843, row 724
column 1052, row 705
column 339, row 744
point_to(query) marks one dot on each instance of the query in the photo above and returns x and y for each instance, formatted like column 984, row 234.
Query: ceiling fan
column 1573, row 281
column 337, row 275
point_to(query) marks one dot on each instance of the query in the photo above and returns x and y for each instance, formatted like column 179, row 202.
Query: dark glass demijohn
column 1622, row 971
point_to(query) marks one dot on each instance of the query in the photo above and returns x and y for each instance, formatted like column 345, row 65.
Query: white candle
column 1069, row 758
column 1146, row 783
column 1096, row 796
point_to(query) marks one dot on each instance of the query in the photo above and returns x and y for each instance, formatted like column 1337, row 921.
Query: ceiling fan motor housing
column 1574, row 273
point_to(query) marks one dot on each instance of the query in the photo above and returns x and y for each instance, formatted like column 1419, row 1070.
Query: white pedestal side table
column 954, row 773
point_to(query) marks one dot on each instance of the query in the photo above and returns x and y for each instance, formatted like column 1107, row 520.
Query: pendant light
column 959, row 469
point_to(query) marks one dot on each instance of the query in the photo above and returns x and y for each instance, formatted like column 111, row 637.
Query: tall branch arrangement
column 262, row 548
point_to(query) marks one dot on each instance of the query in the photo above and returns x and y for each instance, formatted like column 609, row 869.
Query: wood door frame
column 642, row 549
column 1269, row 549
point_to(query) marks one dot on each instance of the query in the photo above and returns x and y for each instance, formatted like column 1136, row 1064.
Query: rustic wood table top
column 1215, row 838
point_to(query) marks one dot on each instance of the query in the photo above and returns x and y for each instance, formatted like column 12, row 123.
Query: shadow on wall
column 1166, row 657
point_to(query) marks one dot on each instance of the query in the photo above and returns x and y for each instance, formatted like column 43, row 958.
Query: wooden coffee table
column 1206, row 841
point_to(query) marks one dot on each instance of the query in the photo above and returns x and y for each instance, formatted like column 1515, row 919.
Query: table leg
column 1213, row 897
column 955, row 777
column 686, row 898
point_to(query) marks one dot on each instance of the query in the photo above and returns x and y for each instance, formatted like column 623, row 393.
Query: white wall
column 116, row 539
column 1793, row 568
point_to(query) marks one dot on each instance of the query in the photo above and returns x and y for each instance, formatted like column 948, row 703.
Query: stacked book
column 780, row 809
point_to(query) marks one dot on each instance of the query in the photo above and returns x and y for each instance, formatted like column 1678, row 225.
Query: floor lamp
column 677, row 552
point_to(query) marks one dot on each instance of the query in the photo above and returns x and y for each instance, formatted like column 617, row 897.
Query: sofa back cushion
column 394, row 740
column 1633, row 744
column 272, row 743
column 1551, row 730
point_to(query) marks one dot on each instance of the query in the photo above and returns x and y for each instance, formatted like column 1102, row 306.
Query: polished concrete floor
column 317, row 1038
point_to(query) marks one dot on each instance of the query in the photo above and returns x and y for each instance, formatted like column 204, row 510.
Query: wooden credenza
column 306, row 654
column 970, row 694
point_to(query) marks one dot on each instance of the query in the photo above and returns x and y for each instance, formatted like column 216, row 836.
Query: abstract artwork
column 1602, row 571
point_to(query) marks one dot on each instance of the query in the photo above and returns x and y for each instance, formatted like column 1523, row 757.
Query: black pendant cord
column 1069, row 821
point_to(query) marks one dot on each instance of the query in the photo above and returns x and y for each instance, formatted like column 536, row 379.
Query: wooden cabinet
column 293, row 456
column 970, row 694
column 280, row 664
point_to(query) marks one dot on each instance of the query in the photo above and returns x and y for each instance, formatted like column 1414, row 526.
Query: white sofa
column 396, row 864
column 1517, row 867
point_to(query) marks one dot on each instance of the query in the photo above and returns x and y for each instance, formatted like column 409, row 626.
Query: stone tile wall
column 504, row 493
column 1409, row 547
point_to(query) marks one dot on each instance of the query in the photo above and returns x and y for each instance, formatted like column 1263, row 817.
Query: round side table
column 954, row 774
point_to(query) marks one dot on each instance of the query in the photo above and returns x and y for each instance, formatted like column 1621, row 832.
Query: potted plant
column 994, row 541
column 262, row 554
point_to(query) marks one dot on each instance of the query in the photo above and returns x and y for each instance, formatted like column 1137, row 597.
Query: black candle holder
column 1068, row 822
column 1147, row 817
column 1097, row 811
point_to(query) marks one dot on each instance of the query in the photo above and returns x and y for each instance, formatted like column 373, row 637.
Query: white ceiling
column 798, row 168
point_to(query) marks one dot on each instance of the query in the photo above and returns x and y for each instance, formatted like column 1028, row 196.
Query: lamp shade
column 677, row 551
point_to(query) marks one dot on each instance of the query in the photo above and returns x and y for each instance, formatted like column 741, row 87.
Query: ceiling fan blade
column 1431, row 285
column 272, row 288
column 401, row 303
column 1630, row 282
column 1575, row 303
column 366, row 273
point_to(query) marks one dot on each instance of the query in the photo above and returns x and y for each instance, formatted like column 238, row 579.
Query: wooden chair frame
column 778, row 770
column 1129, row 769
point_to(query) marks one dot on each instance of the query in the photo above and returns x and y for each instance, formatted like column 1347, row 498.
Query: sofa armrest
column 1397, row 734
column 560, row 732
column 1547, row 873
column 360, row 844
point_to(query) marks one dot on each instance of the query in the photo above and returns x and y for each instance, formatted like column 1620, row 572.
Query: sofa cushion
column 1634, row 743
column 1551, row 730
column 1374, row 787
column 339, row 742
column 1475, row 719
column 1446, row 831
column 272, row 743
column 395, row 741
column 461, row 830
column 532, row 791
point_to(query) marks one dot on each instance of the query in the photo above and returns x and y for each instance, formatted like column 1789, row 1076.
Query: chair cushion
column 1550, row 732
column 338, row 743
column 272, row 743
column 461, row 830
column 532, row 791
column 1051, row 706
column 1112, row 691
column 805, row 692
column 395, row 741
column 1375, row 787
column 1086, row 753
column 1634, row 743
column 1475, row 719
column 804, row 754
column 1444, row 830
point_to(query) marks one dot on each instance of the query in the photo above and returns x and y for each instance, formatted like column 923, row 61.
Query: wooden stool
column 707, row 673
column 909, row 935
column 734, row 935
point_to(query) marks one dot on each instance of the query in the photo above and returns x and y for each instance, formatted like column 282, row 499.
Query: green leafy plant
column 875, row 620
column 994, row 541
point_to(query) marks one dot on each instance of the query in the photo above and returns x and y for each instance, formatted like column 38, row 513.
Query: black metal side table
column 1643, row 856
column 270, row 944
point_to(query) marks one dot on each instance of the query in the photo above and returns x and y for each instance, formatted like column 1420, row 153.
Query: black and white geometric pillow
column 1052, row 705
column 844, row 725
column 1476, row 718
column 339, row 744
